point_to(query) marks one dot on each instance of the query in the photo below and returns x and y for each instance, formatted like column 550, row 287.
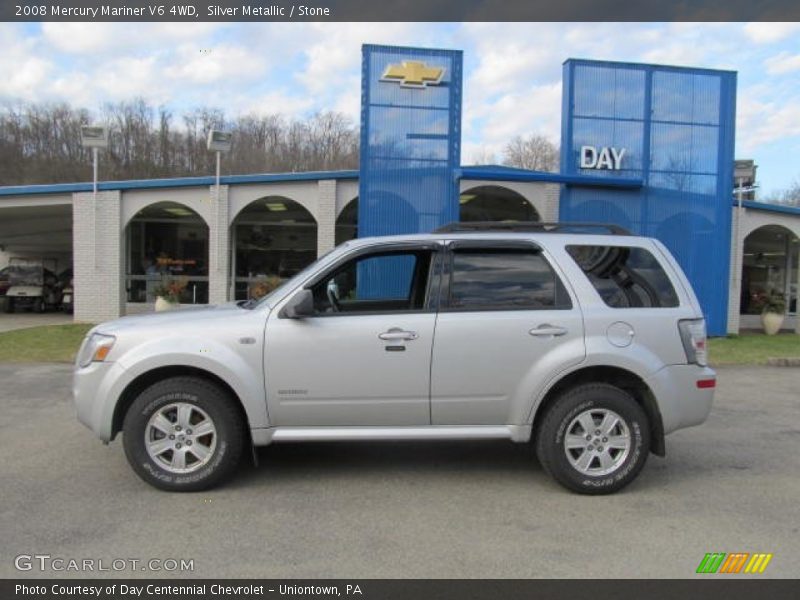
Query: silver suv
column 592, row 346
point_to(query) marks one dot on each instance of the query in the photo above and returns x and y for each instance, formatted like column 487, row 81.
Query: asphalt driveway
column 434, row 510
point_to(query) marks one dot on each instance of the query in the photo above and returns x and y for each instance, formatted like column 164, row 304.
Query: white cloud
column 333, row 51
column 766, row 33
column 127, row 78
column 782, row 63
column 535, row 110
column 23, row 70
column 761, row 121
column 220, row 63
column 115, row 39
column 273, row 103
column 83, row 38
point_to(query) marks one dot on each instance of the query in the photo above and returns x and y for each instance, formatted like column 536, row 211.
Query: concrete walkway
column 10, row 322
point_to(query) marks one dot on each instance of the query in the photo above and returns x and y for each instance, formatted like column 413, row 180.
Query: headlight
column 95, row 349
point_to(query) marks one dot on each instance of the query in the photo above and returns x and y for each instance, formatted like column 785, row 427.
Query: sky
column 512, row 71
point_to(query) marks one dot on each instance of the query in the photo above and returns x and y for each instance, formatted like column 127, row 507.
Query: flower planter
column 771, row 322
column 163, row 304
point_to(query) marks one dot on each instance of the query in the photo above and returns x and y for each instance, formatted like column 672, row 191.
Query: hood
column 192, row 317
column 25, row 290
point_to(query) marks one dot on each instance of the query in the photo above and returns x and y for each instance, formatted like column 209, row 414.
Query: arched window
column 769, row 266
column 167, row 243
column 272, row 238
column 347, row 222
column 495, row 203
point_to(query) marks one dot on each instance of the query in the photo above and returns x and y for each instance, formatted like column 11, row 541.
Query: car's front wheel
column 183, row 434
column 594, row 439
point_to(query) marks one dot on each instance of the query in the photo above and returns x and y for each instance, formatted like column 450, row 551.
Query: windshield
column 25, row 275
column 292, row 282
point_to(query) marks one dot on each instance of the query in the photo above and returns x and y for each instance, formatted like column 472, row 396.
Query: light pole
column 94, row 137
column 219, row 142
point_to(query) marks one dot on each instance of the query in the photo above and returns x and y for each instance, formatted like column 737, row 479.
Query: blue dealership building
column 646, row 147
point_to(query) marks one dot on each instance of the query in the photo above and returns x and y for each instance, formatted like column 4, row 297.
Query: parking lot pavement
column 12, row 321
column 436, row 510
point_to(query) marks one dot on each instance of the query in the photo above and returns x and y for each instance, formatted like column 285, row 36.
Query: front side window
column 382, row 282
column 504, row 279
column 625, row 277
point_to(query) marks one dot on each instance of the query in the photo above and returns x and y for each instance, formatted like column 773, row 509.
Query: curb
column 783, row 362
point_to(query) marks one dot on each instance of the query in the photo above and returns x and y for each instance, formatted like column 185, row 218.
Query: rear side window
column 502, row 279
column 625, row 277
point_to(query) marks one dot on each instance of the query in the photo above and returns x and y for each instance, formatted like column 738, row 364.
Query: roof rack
column 534, row 226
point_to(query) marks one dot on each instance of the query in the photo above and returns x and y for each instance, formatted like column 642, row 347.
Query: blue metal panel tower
column 410, row 139
column 676, row 126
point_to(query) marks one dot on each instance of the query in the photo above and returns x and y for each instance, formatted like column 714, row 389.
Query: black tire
column 574, row 403
column 9, row 305
column 210, row 399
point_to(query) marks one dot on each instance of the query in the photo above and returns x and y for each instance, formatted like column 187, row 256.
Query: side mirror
column 300, row 306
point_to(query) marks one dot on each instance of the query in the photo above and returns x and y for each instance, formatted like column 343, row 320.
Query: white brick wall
column 326, row 216
column 218, row 245
column 97, row 256
column 735, row 277
column 552, row 197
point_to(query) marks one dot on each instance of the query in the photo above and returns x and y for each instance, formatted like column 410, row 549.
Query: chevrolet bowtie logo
column 413, row 74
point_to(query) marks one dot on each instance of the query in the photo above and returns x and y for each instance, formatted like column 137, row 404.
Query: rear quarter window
column 625, row 277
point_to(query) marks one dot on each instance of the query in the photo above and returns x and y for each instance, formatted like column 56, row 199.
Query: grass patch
column 48, row 343
column 752, row 348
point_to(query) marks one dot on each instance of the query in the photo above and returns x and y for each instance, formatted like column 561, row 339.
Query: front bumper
column 681, row 401
column 94, row 398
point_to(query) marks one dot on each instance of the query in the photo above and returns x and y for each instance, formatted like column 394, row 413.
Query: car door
column 507, row 323
column 363, row 358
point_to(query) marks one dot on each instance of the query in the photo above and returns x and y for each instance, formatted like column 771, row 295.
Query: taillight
column 693, row 336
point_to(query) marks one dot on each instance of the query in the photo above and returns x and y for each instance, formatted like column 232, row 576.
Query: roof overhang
column 500, row 173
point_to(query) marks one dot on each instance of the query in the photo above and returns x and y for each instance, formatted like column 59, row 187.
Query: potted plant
column 773, row 312
column 263, row 286
column 168, row 294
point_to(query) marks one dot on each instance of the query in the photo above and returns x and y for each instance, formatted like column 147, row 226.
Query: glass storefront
column 769, row 266
column 167, row 246
column 272, row 239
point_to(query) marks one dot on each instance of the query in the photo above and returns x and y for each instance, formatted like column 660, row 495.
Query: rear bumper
column 684, row 394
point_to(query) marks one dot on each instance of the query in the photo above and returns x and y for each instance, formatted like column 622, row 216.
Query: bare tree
column 483, row 156
column 40, row 143
column 791, row 195
column 534, row 152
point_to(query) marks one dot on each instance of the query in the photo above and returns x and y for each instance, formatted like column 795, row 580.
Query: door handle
column 395, row 334
column 548, row 330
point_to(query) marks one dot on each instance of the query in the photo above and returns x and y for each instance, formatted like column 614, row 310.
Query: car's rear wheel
column 594, row 439
column 183, row 434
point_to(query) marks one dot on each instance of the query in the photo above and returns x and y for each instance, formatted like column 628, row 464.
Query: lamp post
column 94, row 137
column 219, row 142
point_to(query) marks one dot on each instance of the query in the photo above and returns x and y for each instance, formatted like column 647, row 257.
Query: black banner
column 408, row 10
column 733, row 588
